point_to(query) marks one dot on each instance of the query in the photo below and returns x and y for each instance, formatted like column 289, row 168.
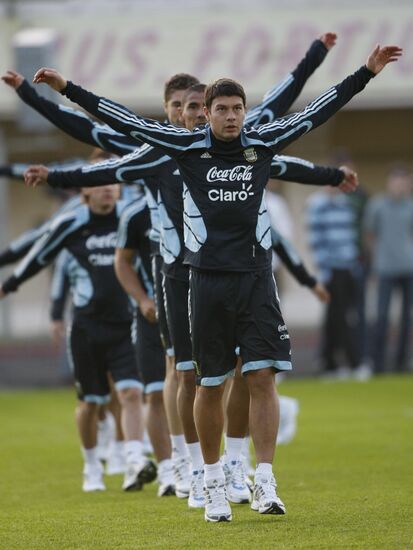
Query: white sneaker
column 182, row 476
column 265, row 499
column 196, row 493
column 116, row 463
column 166, row 479
column 93, row 478
column 363, row 373
column 235, row 480
column 138, row 474
column 217, row 507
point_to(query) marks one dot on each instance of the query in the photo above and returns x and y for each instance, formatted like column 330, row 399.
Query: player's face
column 399, row 186
column 102, row 199
column 226, row 117
column 193, row 111
column 172, row 107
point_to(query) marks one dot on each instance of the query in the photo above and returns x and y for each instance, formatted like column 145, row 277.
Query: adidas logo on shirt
column 206, row 155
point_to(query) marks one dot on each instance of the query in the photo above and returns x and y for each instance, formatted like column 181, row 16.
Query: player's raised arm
column 42, row 252
column 75, row 123
column 171, row 139
column 278, row 100
column 143, row 162
column 283, row 131
column 288, row 168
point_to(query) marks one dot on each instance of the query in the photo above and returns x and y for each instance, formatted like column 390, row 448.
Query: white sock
column 246, row 446
column 197, row 460
column 263, row 470
column 89, row 455
column 233, row 448
column 213, row 471
column 178, row 446
column 165, row 464
column 133, row 451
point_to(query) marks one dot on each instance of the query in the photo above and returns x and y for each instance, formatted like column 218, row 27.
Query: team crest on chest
column 250, row 154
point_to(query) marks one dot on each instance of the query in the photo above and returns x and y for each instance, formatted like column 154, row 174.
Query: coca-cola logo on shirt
column 237, row 173
column 102, row 241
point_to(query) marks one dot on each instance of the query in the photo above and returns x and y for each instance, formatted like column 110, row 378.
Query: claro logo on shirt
column 240, row 173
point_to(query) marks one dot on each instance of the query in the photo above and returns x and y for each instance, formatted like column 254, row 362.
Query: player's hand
column 36, row 175
column 329, row 39
column 13, row 79
column 2, row 293
column 148, row 309
column 57, row 332
column 321, row 292
column 350, row 181
column 380, row 56
column 50, row 77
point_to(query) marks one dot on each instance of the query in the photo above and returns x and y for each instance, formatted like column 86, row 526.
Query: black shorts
column 96, row 348
column 236, row 309
column 176, row 294
column 149, row 353
column 160, row 304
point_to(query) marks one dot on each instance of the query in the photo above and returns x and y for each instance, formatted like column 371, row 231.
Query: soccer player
column 100, row 339
column 232, row 294
column 148, row 163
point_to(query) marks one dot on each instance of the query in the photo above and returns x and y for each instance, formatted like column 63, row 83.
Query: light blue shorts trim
column 170, row 352
column 154, row 386
column 265, row 363
column 128, row 383
column 98, row 399
column 185, row 365
column 217, row 380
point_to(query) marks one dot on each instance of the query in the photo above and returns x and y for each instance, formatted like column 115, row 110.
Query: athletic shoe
column 116, row 463
column 237, row 488
column 217, row 507
column 363, row 373
column 93, row 478
column 138, row 474
column 196, row 493
column 182, row 476
column 166, row 479
column 265, row 499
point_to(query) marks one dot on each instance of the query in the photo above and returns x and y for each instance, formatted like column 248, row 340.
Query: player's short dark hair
column 224, row 87
column 180, row 81
column 196, row 88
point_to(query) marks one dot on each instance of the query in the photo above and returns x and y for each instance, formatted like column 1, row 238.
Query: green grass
column 347, row 480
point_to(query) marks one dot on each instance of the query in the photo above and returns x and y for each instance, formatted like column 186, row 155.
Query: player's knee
column 186, row 380
column 261, row 381
column 129, row 396
column 155, row 398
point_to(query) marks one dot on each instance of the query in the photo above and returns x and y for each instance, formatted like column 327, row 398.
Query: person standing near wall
column 388, row 231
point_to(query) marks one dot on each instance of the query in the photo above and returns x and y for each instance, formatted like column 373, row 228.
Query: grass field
column 347, row 480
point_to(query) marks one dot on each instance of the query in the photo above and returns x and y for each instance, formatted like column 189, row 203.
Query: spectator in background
column 333, row 239
column 388, row 227
column 358, row 201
